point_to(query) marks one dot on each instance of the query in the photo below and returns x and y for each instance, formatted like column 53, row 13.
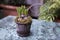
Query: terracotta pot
column 9, row 10
column 57, row 20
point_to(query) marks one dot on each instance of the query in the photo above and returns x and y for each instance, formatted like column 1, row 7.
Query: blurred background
column 7, row 7
column 49, row 9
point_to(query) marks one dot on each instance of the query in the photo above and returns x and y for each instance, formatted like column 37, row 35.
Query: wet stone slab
column 40, row 30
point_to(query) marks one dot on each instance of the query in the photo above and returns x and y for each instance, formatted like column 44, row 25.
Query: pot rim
column 20, row 22
column 8, row 6
column 23, row 23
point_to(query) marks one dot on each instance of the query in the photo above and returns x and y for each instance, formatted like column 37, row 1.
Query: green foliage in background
column 50, row 10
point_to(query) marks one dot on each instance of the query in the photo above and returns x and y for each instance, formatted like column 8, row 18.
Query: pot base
column 23, row 35
column 35, row 17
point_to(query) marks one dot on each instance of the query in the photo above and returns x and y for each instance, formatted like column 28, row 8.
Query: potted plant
column 50, row 11
column 23, row 21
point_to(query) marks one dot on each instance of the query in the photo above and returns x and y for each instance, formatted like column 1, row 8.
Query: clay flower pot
column 9, row 10
column 57, row 19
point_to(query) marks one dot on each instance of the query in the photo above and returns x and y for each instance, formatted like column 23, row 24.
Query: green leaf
column 22, row 10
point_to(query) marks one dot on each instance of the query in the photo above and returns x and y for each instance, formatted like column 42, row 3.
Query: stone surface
column 40, row 30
